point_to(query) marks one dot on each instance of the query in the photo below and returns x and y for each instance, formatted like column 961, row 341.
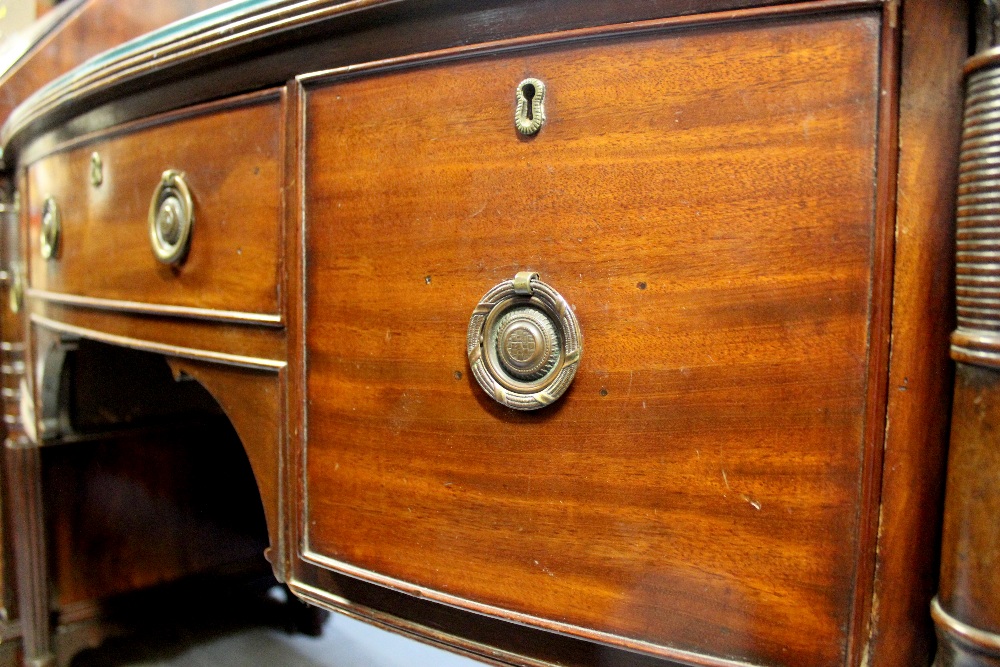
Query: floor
column 344, row 642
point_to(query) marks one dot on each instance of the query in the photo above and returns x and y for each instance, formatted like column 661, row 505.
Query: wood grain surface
column 919, row 400
column 231, row 156
column 970, row 566
column 705, row 201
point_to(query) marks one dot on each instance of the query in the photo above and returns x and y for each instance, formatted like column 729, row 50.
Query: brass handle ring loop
column 171, row 218
column 524, row 343
column 50, row 230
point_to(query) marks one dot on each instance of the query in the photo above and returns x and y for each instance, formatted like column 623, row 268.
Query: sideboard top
column 247, row 45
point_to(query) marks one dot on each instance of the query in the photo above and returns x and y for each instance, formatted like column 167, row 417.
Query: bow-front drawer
column 180, row 214
column 587, row 332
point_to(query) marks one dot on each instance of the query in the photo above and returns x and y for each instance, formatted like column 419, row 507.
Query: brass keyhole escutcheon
column 51, row 224
column 171, row 218
column 524, row 343
column 529, row 111
column 96, row 169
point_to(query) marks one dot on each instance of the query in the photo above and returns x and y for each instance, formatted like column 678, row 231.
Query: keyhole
column 529, row 113
column 528, row 90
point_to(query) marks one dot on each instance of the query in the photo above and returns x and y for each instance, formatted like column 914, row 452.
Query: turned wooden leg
column 967, row 608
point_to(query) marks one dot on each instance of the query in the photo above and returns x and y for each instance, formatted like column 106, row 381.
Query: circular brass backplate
column 171, row 218
column 51, row 223
column 524, row 343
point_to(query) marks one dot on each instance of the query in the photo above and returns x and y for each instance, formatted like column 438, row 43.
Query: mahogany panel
column 705, row 200
column 231, row 156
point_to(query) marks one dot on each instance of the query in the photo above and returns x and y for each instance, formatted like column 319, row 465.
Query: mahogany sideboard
column 552, row 332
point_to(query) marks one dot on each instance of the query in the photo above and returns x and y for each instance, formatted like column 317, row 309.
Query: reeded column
column 967, row 608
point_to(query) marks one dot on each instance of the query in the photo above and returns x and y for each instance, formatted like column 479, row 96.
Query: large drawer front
column 230, row 157
column 705, row 201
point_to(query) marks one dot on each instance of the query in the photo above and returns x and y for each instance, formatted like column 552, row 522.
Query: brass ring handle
column 524, row 343
column 171, row 218
column 51, row 223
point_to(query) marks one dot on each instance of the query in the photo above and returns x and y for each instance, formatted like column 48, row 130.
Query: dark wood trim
column 616, row 641
column 390, row 623
column 934, row 46
column 880, row 320
column 165, row 118
column 293, row 469
column 159, row 348
column 582, row 35
column 170, row 49
column 283, row 205
column 258, row 342
column 164, row 310
column 267, row 50
column 504, row 642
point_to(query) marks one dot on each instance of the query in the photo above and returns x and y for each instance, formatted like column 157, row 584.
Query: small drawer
column 229, row 155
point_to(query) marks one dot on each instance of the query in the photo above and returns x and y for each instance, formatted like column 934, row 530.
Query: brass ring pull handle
column 171, row 217
column 51, row 223
column 524, row 343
